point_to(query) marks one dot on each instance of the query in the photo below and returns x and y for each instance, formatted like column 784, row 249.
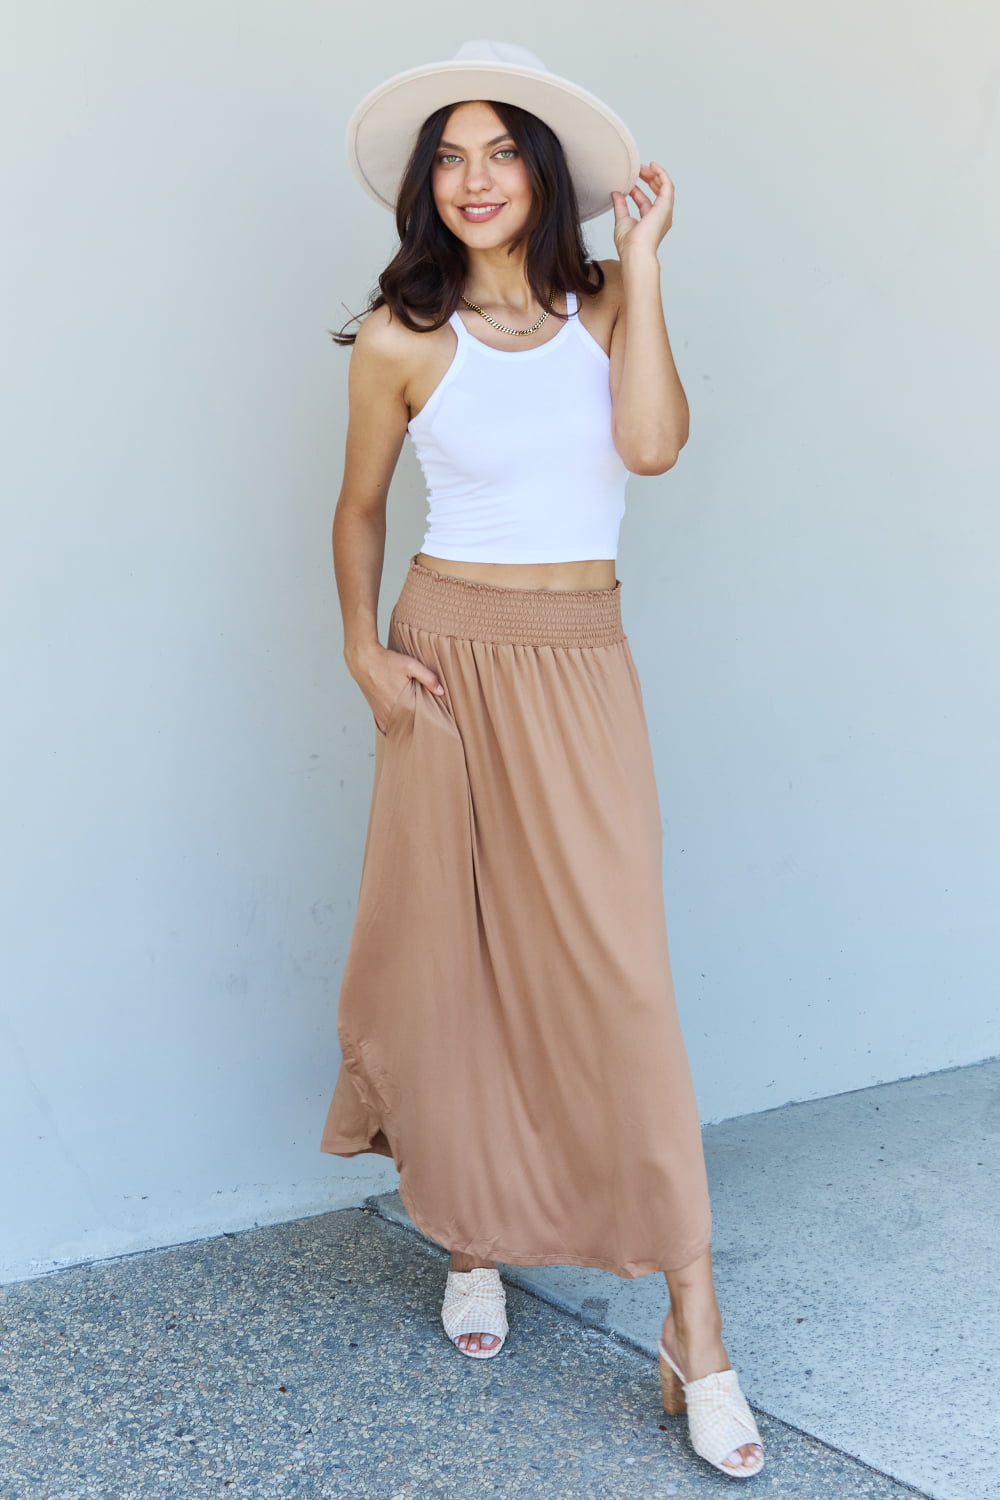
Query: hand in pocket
column 383, row 678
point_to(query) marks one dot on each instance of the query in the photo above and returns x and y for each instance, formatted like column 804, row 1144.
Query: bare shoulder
column 386, row 344
column 383, row 339
column 403, row 364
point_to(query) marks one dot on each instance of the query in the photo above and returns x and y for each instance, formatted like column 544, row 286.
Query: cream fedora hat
column 600, row 150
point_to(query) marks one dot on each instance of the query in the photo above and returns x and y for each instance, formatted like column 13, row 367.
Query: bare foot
column 472, row 1342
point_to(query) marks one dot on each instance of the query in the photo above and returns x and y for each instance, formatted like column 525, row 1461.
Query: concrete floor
column 855, row 1247
column 853, row 1243
column 307, row 1362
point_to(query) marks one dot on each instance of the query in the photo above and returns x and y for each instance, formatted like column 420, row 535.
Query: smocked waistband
column 444, row 605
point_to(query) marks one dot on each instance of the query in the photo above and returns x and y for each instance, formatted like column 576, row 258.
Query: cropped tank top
column 517, row 452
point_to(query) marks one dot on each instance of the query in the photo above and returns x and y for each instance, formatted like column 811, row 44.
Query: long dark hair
column 422, row 284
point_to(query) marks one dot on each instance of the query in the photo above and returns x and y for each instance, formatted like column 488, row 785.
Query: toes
column 472, row 1343
column 747, row 1457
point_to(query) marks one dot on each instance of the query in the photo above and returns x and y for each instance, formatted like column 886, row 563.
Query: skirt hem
column 625, row 1270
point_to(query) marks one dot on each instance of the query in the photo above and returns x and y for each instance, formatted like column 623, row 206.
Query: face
column 480, row 184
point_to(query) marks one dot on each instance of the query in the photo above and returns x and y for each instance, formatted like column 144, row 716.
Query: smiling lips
column 478, row 213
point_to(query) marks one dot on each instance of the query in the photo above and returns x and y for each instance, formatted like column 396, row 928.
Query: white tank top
column 517, row 452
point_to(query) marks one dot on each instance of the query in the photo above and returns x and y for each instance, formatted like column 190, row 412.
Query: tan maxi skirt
column 507, row 1019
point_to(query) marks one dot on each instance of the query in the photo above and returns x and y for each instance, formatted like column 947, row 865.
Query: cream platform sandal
column 475, row 1302
column 719, row 1419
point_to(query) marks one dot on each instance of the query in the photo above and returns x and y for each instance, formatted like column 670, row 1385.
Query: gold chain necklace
column 517, row 333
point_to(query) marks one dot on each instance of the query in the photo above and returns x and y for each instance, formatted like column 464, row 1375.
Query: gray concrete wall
column 811, row 593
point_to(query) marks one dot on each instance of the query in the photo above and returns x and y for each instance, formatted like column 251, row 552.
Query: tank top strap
column 460, row 328
column 571, row 303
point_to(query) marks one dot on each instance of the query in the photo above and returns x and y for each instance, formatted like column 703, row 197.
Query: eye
column 447, row 156
column 506, row 152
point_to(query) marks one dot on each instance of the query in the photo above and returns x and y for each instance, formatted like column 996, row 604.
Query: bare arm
column 649, row 407
column 376, row 428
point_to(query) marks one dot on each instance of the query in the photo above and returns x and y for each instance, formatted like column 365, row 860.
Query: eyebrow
column 494, row 142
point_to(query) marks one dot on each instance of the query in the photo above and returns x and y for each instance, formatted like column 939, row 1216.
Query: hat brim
column 600, row 151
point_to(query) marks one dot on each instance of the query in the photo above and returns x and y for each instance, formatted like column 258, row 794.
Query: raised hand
column 655, row 214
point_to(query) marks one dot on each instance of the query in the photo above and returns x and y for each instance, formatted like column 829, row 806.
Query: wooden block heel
column 674, row 1402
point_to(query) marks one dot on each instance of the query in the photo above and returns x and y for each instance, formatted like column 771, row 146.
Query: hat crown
column 499, row 52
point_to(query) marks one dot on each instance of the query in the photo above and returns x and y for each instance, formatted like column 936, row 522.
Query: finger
column 658, row 180
column 643, row 203
column 429, row 679
column 662, row 182
column 664, row 195
column 620, row 203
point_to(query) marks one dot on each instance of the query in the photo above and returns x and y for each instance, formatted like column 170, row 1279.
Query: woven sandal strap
column 484, row 1274
column 474, row 1304
column 719, row 1418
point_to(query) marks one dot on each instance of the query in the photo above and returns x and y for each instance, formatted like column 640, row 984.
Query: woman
column 507, row 1016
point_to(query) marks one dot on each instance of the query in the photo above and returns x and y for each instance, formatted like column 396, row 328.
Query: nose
column 478, row 177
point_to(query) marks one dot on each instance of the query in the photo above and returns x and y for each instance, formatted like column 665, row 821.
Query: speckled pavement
column 855, row 1247
column 308, row 1360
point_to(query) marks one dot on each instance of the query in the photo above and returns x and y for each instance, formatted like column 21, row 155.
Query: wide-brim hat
column 600, row 151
